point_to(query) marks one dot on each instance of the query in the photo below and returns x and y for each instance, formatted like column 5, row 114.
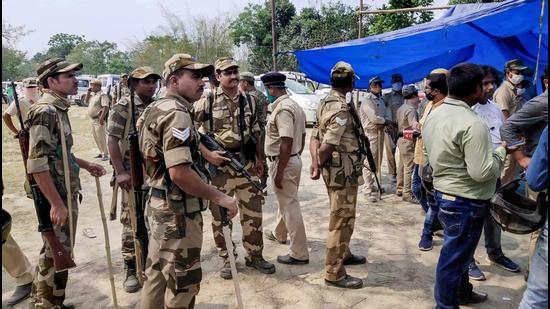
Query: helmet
column 426, row 175
column 515, row 213
column 6, row 225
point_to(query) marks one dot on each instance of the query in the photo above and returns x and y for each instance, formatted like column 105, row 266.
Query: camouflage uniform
column 120, row 91
column 119, row 118
column 226, row 115
column 342, row 176
column 46, row 154
column 173, row 266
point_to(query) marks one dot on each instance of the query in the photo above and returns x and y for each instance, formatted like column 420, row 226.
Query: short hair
column 45, row 83
column 464, row 79
column 341, row 82
column 438, row 81
column 487, row 69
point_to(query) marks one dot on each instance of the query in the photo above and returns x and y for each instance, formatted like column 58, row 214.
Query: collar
column 178, row 98
column 56, row 100
column 335, row 93
column 509, row 85
column 220, row 91
column 457, row 102
column 278, row 101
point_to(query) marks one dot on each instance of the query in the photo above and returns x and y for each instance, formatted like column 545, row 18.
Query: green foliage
column 155, row 50
column 389, row 22
column 61, row 44
column 12, row 60
column 99, row 58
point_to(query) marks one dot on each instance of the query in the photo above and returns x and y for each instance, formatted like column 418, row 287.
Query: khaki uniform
column 407, row 117
column 225, row 121
column 15, row 262
column 97, row 102
column 342, row 176
column 173, row 267
column 287, row 119
column 373, row 114
column 120, row 91
column 393, row 100
column 261, row 113
column 46, row 155
column 24, row 105
column 119, row 119
column 507, row 99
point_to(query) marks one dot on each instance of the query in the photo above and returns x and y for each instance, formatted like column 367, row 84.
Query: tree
column 14, row 63
column 99, row 58
column 61, row 44
column 252, row 28
column 389, row 22
column 154, row 50
column 210, row 38
column 12, row 34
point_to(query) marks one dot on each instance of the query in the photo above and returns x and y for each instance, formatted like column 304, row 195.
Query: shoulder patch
column 341, row 121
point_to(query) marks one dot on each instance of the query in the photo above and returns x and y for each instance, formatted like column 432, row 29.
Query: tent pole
column 540, row 41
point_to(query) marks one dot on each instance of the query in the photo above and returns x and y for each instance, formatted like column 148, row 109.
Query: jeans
column 536, row 295
column 417, row 189
column 462, row 220
column 431, row 223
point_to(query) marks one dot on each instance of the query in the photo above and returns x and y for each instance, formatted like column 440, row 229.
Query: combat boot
column 21, row 292
column 261, row 265
column 348, row 282
column 131, row 283
column 225, row 272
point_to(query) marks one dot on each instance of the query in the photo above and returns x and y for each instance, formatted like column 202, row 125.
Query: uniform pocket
column 165, row 224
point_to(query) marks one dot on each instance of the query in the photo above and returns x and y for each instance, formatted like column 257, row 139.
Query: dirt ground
column 397, row 274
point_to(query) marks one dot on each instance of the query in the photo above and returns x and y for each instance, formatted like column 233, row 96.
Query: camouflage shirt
column 226, row 118
column 119, row 118
column 261, row 105
column 45, row 152
column 120, row 91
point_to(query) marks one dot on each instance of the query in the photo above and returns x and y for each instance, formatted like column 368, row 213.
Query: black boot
column 21, row 292
column 131, row 283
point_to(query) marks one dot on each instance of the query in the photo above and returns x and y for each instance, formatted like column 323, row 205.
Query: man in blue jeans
column 465, row 173
column 536, row 295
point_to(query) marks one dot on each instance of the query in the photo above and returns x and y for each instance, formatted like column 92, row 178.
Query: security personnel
column 45, row 120
column 98, row 110
column 230, row 116
column 334, row 150
column 247, row 85
column 407, row 116
column 121, row 89
column 30, row 96
column 393, row 100
column 144, row 80
column 285, row 141
column 170, row 146
column 374, row 117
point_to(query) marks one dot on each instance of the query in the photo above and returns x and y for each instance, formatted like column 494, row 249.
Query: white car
column 83, row 85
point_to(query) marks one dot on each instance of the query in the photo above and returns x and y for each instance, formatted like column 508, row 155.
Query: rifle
column 211, row 144
column 61, row 259
column 137, row 196
column 364, row 143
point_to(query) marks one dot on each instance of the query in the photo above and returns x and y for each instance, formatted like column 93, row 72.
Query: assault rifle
column 61, row 259
column 137, row 196
column 211, row 144
column 364, row 143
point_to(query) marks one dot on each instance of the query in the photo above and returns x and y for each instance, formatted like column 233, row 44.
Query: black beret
column 273, row 78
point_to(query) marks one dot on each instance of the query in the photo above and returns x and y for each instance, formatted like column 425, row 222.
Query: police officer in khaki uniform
column 45, row 121
column 230, row 115
column 285, row 141
column 393, row 100
column 247, row 85
column 334, row 149
column 374, row 117
column 121, row 89
column 30, row 96
column 144, row 80
column 407, row 116
column 169, row 144
column 98, row 110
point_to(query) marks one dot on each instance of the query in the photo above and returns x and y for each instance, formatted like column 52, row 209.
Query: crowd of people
column 455, row 148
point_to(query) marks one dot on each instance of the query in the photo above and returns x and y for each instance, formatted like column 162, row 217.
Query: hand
column 217, row 158
column 279, row 181
column 96, row 170
column 230, row 204
column 59, row 214
column 314, row 172
column 123, row 180
column 89, row 90
column 260, row 169
column 524, row 162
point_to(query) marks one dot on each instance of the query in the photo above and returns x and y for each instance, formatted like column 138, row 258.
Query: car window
column 103, row 81
column 83, row 83
column 297, row 87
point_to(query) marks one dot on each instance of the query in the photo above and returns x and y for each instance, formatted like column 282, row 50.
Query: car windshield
column 297, row 87
column 103, row 81
column 83, row 83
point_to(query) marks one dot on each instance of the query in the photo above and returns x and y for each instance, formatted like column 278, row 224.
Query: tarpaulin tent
column 480, row 33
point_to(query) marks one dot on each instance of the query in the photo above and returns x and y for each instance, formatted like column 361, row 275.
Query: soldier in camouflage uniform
column 247, row 85
column 335, row 152
column 46, row 166
column 144, row 81
column 121, row 89
column 230, row 116
column 169, row 144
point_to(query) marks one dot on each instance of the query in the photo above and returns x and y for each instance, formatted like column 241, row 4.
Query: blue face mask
column 270, row 98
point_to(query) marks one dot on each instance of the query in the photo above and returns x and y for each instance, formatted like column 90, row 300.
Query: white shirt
column 491, row 114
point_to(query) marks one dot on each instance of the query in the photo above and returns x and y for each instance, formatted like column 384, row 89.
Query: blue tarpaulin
column 480, row 33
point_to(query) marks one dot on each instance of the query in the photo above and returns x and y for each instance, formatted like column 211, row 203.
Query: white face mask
column 397, row 86
column 516, row 79
column 521, row 91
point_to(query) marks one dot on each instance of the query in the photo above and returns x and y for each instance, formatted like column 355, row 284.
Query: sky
column 119, row 21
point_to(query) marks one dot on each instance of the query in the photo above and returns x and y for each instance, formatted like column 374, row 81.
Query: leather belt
column 271, row 159
column 158, row 193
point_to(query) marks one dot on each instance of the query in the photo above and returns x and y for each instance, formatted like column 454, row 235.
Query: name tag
column 448, row 197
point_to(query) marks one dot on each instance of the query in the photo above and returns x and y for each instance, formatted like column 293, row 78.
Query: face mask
column 397, row 86
column 521, row 91
column 430, row 96
column 516, row 79
column 270, row 98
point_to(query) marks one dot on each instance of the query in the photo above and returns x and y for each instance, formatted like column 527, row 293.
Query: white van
column 108, row 82
column 83, row 85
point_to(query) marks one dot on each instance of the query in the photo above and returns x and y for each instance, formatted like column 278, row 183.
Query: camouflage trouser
column 127, row 249
column 250, row 210
column 48, row 288
column 173, row 268
column 342, row 220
